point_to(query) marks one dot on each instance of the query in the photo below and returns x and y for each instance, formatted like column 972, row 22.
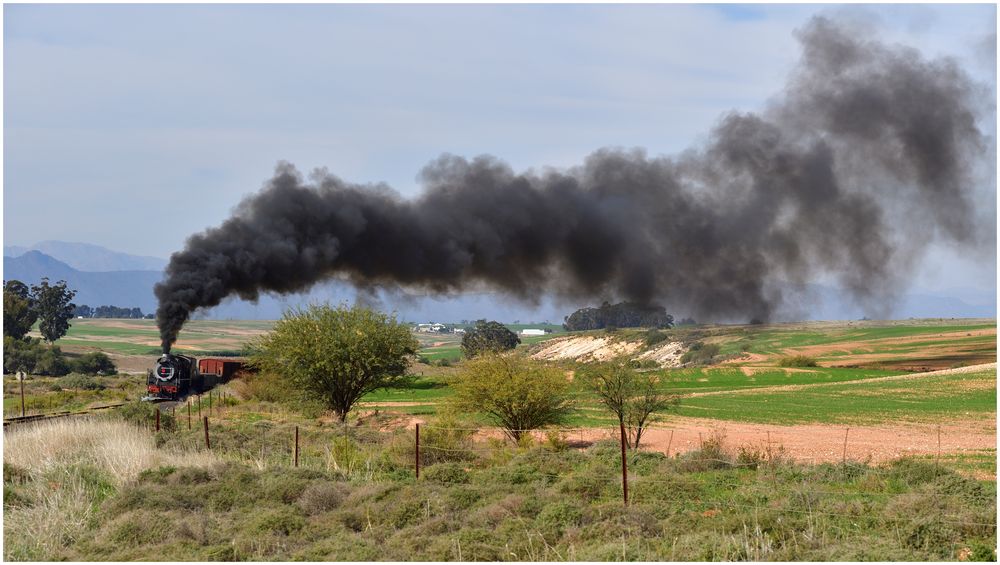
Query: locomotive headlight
column 165, row 372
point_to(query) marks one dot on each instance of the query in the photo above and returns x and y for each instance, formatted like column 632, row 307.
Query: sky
column 135, row 126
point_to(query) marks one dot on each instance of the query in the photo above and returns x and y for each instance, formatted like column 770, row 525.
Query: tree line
column 85, row 311
column 621, row 315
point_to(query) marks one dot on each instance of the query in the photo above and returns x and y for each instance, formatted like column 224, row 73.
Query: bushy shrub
column 797, row 361
column 655, row 336
column 81, row 382
column 95, row 364
column 51, row 362
column 321, row 497
column 700, row 353
column 447, row 473
column 282, row 521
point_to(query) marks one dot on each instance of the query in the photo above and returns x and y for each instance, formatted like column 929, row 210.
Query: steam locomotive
column 176, row 376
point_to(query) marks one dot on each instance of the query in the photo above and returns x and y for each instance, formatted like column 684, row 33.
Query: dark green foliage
column 621, row 315
column 52, row 302
column 20, row 354
column 108, row 312
column 797, row 361
column 19, row 312
column 95, row 364
column 51, row 362
column 492, row 337
column 654, row 336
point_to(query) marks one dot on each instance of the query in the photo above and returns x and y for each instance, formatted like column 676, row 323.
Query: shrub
column 282, row 521
column 516, row 393
column 797, row 361
column 700, row 353
column 447, row 473
column 95, row 364
column 81, row 382
column 51, row 362
column 556, row 517
column 321, row 497
column 711, row 455
column 655, row 336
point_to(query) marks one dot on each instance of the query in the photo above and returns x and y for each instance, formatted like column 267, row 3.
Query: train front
column 171, row 377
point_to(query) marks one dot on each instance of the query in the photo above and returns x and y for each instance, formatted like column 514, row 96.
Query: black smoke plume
column 866, row 156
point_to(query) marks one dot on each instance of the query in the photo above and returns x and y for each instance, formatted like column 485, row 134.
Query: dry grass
column 71, row 466
column 111, row 446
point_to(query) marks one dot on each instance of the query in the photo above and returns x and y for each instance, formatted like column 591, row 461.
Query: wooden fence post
column 208, row 444
column 199, row 406
column 416, row 459
column 20, row 375
column 669, row 442
column 847, row 431
column 937, row 458
column 624, row 466
column 189, row 414
column 296, row 446
column 157, row 419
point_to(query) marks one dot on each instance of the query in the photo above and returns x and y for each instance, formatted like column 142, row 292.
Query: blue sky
column 134, row 126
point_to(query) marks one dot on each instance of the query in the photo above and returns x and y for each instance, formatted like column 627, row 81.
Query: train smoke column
column 868, row 155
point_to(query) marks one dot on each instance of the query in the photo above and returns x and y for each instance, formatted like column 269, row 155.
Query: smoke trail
column 864, row 137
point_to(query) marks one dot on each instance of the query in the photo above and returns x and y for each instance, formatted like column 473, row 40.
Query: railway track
column 60, row 414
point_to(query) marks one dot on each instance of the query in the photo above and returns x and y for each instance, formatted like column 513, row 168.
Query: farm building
column 532, row 332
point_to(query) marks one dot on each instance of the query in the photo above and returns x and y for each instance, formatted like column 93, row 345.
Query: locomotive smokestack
column 869, row 154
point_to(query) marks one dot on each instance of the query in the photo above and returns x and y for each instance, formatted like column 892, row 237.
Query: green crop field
column 936, row 397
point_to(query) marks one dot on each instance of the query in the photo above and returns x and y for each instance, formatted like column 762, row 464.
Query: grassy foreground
column 100, row 490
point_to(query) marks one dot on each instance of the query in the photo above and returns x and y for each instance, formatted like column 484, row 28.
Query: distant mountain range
column 87, row 257
column 105, row 277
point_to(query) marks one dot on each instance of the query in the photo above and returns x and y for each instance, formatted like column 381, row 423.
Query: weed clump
column 322, row 496
column 797, row 361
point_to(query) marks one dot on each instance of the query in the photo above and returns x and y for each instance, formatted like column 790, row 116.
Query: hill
column 118, row 288
column 89, row 257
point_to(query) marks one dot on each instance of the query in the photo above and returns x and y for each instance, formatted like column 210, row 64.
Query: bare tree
column 633, row 396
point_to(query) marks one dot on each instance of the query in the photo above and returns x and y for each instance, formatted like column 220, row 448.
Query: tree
column 52, row 302
column 337, row 354
column 20, row 354
column 632, row 396
column 517, row 393
column 19, row 312
column 621, row 315
column 492, row 337
column 95, row 364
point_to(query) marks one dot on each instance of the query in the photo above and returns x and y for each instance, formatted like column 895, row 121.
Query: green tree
column 337, row 354
column 20, row 354
column 19, row 313
column 632, row 396
column 516, row 393
column 492, row 337
column 51, row 362
column 52, row 302
column 95, row 364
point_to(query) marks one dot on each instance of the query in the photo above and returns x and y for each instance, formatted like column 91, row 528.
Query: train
column 176, row 376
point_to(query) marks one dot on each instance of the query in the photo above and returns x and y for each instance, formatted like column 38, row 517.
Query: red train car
column 222, row 369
